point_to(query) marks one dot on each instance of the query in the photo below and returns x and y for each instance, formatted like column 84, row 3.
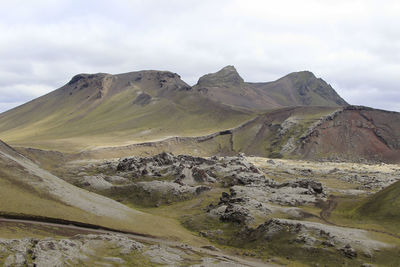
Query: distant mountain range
column 298, row 115
column 93, row 109
column 295, row 89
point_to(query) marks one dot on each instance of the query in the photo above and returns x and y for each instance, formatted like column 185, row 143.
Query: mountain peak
column 229, row 68
column 306, row 82
column 227, row 76
column 301, row 75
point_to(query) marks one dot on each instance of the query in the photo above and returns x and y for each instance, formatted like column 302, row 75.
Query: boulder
column 236, row 214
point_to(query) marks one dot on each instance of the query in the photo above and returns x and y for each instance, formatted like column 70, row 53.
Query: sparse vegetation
column 290, row 212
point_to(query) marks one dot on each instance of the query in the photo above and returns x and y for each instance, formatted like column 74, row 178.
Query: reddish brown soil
column 357, row 133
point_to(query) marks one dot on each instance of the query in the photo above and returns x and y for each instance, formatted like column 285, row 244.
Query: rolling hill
column 379, row 210
column 383, row 206
column 102, row 110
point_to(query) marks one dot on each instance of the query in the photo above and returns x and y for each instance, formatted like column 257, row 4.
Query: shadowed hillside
column 28, row 190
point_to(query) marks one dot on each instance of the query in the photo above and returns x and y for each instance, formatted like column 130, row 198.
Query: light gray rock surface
column 313, row 234
column 67, row 251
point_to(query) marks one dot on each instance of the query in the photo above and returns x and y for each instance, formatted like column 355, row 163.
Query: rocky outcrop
column 259, row 198
column 313, row 234
column 104, row 250
column 192, row 170
column 165, row 178
column 360, row 177
column 183, row 169
column 236, row 214
column 98, row 83
column 70, row 251
column 226, row 76
column 313, row 187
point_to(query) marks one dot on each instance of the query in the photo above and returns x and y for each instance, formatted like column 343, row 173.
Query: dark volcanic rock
column 236, row 214
column 313, row 186
column 348, row 251
column 76, row 78
column 142, row 100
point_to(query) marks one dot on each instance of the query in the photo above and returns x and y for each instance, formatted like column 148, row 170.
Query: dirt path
column 146, row 239
column 331, row 204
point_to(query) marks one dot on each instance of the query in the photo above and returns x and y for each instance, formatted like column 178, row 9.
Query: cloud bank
column 354, row 45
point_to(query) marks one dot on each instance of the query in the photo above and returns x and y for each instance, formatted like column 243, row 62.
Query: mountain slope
column 26, row 189
column 295, row 89
column 103, row 109
column 380, row 210
column 352, row 133
column 266, row 135
column 356, row 133
column 301, row 89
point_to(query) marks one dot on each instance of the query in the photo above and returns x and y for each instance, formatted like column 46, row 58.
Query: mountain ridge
column 91, row 109
column 301, row 88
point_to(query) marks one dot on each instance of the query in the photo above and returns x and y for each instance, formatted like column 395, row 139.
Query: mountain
column 295, row 89
column 104, row 110
column 96, row 110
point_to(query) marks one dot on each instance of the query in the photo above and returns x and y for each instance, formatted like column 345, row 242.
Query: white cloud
column 352, row 44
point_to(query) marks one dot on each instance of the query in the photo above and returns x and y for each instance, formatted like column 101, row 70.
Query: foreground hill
column 383, row 207
column 28, row 190
column 94, row 110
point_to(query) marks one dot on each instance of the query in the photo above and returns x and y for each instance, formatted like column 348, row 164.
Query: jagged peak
column 306, row 81
column 225, row 76
column 228, row 68
column 304, row 78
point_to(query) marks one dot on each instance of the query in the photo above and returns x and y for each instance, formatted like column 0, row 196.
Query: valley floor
column 234, row 211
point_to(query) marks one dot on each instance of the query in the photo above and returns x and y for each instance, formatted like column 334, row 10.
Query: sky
column 353, row 45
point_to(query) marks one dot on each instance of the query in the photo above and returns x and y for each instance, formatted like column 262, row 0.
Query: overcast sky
column 353, row 45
